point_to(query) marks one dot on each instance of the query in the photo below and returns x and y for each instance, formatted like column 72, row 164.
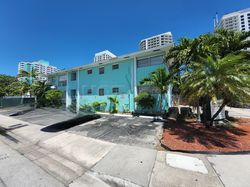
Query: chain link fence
column 10, row 101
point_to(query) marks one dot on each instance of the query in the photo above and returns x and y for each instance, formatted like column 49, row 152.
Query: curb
column 207, row 152
column 21, row 112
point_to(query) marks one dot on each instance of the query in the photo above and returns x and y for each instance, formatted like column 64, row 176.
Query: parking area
column 40, row 116
column 136, row 131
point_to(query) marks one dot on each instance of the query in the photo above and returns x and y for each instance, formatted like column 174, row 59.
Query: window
column 156, row 60
column 89, row 71
column 115, row 90
column 143, row 63
column 101, row 92
column 73, row 76
column 89, row 91
column 101, row 70
column 62, row 83
column 149, row 61
column 115, row 66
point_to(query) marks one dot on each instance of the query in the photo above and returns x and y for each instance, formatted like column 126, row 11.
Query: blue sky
column 69, row 33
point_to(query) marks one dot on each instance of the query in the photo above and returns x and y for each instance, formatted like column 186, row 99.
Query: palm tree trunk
column 217, row 113
column 161, row 103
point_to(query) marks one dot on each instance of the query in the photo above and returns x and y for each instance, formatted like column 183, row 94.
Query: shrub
column 86, row 108
column 54, row 98
column 145, row 100
column 99, row 106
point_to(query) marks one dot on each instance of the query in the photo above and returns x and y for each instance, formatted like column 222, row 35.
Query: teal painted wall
column 143, row 72
column 120, row 78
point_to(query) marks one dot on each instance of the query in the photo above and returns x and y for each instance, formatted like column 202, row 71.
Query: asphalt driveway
column 136, row 131
column 143, row 132
column 40, row 116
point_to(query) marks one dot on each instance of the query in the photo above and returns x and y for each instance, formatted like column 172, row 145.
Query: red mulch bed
column 193, row 136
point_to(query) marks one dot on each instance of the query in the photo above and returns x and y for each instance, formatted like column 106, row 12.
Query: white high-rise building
column 42, row 68
column 156, row 41
column 235, row 21
column 103, row 56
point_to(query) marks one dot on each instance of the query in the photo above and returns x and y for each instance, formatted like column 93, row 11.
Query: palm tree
column 29, row 75
column 25, row 88
column 114, row 102
column 218, row 78
column 188, row 50
column 40, row 88
column 219, row 44
column 231, row 42
column 159, row 79
column 179, row 55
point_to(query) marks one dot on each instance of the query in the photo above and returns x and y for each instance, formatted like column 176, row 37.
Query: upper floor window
column 73, row 76
column 156, row 60
column 115, row 66
column 101, row 91
column 150, row 61
column 143, row 63
column 89, row 71
column 101, row 70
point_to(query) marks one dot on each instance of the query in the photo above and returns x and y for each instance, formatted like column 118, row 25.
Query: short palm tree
column 114, row 102
column 225, row 78
column 159, row 79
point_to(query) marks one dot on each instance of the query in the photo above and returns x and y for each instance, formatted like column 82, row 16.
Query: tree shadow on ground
column 193, row 132
column 70, row 123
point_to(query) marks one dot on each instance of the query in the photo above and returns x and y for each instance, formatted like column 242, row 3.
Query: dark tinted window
column 73, row 76
column 101, row 91
column 115, row 66
column 115, row 90
column 89, row 71
column 89, row 91
column 101, row 70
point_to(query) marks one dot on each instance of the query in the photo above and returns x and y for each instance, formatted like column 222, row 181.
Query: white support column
column 78, row 92
column 67, row 91
column 134, row 80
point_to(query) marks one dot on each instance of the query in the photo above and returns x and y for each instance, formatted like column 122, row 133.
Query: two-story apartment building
column 119, row 76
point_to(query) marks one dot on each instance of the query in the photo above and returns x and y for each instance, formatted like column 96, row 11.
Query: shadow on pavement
column 3, row 132
column 70, row 123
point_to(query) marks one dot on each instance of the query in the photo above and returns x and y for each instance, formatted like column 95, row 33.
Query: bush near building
column 54, row 98
column 145, row 100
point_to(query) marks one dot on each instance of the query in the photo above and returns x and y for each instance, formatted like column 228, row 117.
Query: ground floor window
column 115, row 90
column 89, row 91
column 101, row 91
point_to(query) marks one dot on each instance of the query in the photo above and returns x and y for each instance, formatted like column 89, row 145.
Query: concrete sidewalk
column 76, row 160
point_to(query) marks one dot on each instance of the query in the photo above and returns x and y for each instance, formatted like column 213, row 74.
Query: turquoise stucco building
column 119, row 76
